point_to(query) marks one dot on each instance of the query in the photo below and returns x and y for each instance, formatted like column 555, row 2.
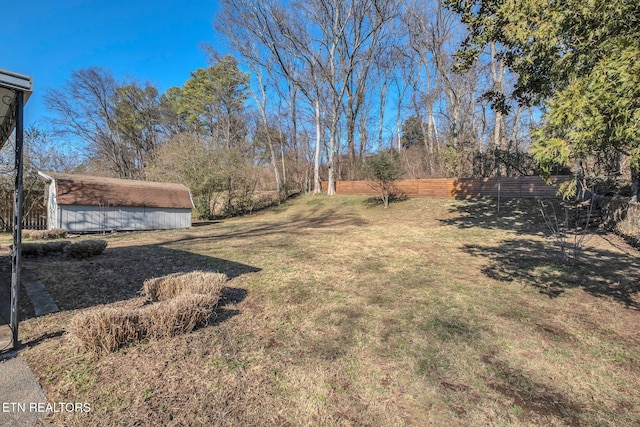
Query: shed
column 82, row 203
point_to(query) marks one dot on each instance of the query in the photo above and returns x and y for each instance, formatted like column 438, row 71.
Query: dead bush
column 85, row 248
column 179, row 315
column 56, row 233
column 33, row 234
column 106, row 329
column 186, row 301
column 195, row 282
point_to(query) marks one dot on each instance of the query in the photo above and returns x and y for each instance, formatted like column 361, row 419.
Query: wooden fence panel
column 34, row 216
column 462, row 188
column 35, row 219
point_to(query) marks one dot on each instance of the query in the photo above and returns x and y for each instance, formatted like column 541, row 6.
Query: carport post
column 15, row 90
column 16, row 255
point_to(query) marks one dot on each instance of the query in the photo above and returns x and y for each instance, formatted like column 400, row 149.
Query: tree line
column 311, row 89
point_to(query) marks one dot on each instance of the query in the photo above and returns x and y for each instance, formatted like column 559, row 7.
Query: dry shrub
column 42, row 249
column 106, row 329
column 186, row 302
column 195, row 282
column 56, row 233
column 33, row 234
column 179, row 315
column 85, row 249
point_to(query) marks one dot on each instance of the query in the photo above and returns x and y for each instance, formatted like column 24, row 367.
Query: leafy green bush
column 383, row 170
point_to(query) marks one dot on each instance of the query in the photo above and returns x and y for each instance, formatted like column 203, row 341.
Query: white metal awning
column 10, row 84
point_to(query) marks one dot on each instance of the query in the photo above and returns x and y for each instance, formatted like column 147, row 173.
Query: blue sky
column 156, row 41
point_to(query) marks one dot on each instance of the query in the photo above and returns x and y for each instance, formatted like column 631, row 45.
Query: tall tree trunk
column 364, row 137
column 331, row 189
column 294, row 134
column 317, row 185
column 272, row 151
column 262, row 102
column 351, row 134
column 383, row 104
column 498, row 71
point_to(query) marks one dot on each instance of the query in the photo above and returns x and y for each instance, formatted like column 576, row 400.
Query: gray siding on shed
column 81, row 203
column 76, row 218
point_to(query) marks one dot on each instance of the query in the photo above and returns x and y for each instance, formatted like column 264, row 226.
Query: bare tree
column 445, row 97
column 347, row 32
column 326, row 50
column 418, row 19
column 364, row 41
column 117, row 121
column 266, row 26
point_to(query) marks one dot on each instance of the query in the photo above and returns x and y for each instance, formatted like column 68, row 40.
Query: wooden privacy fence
column 35, row 219
column 461, row 188
column 34, row 216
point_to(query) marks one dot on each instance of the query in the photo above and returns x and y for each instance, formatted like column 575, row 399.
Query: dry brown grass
column 56, row 233
column 106, row 329
column 180, row 315
column 185, row 301
column 195, row 282
column 431, row 312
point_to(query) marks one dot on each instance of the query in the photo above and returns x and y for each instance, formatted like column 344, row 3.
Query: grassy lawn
column 432, row 312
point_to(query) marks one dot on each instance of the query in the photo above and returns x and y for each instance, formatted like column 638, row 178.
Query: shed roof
column 88, row 190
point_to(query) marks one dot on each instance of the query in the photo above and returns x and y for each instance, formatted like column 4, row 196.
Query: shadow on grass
column 599, row 272
column 520, row 215
column 203, row 223
column 119, row 273
column 319, row 217
column 533, row 398
column 377, row 201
